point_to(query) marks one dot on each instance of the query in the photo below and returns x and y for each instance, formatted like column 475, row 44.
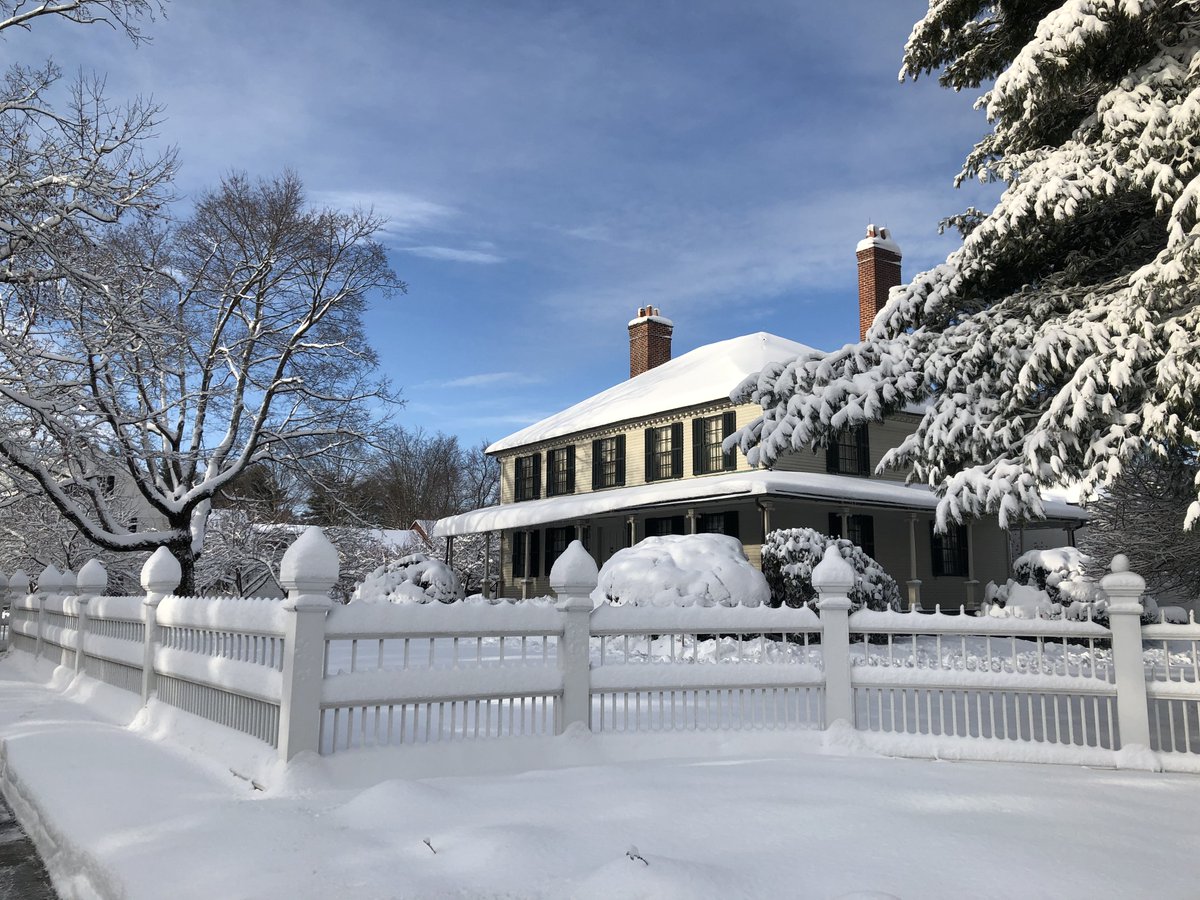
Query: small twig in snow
column 429, row 844
column 632, row 853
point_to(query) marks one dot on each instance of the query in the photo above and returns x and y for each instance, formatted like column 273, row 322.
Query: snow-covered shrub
column 788, row 558
column 411, row 579
column 682, row 570
column 1060, row 572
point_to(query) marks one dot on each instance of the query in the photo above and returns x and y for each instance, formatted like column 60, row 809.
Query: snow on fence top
column 608, row 620
column 358, row 620
column 873, row 622
column 249, row 615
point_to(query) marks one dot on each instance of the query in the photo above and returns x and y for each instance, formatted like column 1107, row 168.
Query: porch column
column 632, row 520
column 487, row 563
column 914, row 583
column 844, row 514
column 765, row 507
column 971, row 580
column 690, row 515
column 528, row 560
column 450, row 550
column 1070, row 537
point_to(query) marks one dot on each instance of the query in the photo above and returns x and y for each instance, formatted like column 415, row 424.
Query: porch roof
column 762, row 483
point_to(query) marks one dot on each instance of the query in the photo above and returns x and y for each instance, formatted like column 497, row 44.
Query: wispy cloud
column 455, row 254
column 404, row 213
column 489, row 379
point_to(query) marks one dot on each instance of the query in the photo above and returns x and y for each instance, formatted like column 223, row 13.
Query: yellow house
column 644, row 458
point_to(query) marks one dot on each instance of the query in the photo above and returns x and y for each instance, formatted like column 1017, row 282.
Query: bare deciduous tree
column 190, row 352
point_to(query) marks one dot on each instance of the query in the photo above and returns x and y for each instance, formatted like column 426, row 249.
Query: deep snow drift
column 121, row 812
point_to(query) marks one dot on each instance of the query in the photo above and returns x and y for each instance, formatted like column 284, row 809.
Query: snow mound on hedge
column 411, row 579
column 682, row 570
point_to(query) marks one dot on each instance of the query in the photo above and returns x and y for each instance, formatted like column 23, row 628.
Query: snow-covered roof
column 800, row 485
column 703, row 375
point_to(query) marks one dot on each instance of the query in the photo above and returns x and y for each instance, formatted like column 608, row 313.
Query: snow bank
column 682, row 570
column 411, row 579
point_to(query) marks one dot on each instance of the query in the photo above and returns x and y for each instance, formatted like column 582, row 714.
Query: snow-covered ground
column 119, row 811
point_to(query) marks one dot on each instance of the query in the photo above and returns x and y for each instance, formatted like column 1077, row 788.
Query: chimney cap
column 650, row 314
column 878, row 236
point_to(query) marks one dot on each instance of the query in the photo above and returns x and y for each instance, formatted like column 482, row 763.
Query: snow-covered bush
column 411, row 579
column 788, row 558
column 1061, row 572
column 682, row 570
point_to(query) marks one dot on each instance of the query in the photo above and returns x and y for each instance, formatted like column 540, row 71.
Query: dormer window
column 850, row 453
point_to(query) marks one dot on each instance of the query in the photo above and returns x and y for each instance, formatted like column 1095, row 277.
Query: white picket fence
column 304, row 674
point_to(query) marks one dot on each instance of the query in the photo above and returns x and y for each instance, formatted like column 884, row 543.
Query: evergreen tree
column 1061, row 338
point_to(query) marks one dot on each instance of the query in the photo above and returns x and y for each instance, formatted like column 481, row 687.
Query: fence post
column 833, row 579
column 18, row 586
column 47, row 584
column 1124, row 589
column 573, row 578
column 93, row 579
column 308, row 571
column 160, row 575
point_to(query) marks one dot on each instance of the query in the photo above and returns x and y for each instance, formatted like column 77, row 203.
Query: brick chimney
column 649, row 340
column 878, row 272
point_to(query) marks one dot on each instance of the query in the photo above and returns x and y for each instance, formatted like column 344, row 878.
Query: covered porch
column 891, row 520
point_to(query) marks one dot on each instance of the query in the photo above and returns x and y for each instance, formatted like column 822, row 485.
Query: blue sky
column 548, row 167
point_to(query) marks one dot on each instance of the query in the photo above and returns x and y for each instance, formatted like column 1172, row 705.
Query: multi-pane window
column 949, row 550
column 560, row 471
column 664, row 452
column 521, row 540
column 557, row 540
column 850, row 454
column 861, row 531
column 719, row 523
column 707, row 435
column 527, row 480
column 608, row 462
column 663, row 525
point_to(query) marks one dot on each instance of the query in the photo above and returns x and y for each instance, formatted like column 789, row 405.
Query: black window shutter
column 535, row 553
column 518, row 478
column 731, row 524
column 652, row 473
column 963, row 567
column 866, row 526
column 835, row 525
column 550, row 486
column 548, row 550
column 518, row 554
column 862, row 438
column 596, row 465
column 935, row 550
column 677, row 450
column 728, row 427
column 570, row 451
column 678, row 525
column 831, row 456
column 620, row 460
column 537, row 475
column 699, row 457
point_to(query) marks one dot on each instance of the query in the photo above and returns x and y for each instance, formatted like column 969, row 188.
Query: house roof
column 704, row 375
column 872, row 492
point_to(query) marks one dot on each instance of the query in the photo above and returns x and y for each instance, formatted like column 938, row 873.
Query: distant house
column 644, row 458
